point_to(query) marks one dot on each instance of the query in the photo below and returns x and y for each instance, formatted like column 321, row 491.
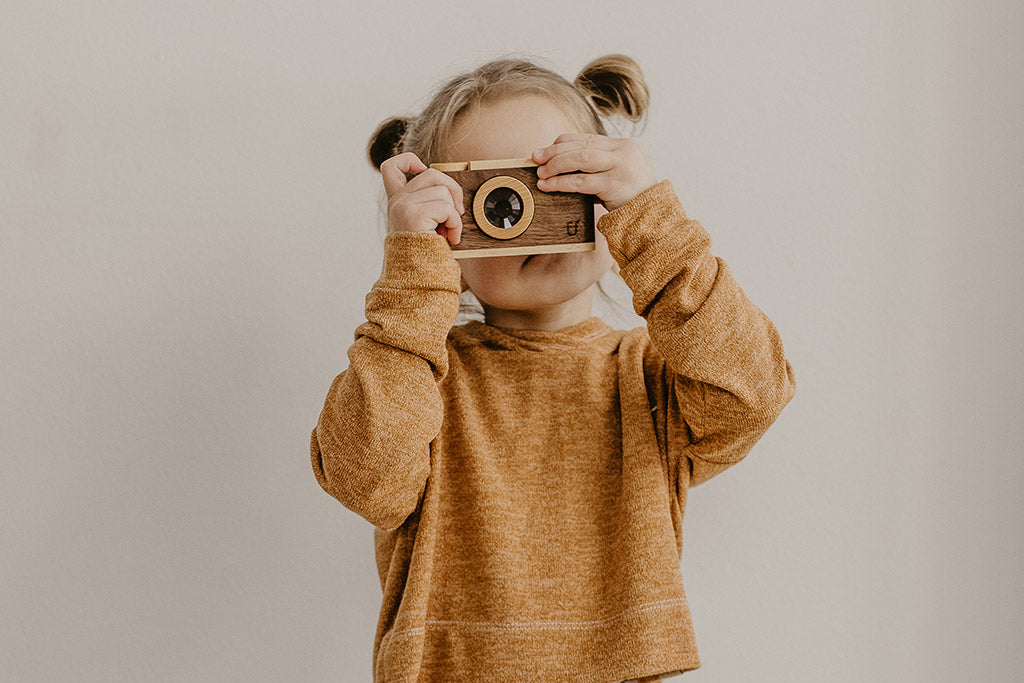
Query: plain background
column 188, row 229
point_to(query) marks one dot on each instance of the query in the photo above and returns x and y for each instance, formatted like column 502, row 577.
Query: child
column 527, row 474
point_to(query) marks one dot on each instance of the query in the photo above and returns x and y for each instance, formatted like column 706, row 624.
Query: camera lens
column 503, row 207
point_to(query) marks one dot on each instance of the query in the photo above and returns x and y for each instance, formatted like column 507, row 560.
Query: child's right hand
column 432, row 201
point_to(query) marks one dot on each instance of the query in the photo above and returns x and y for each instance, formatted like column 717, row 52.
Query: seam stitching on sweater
column 495, row 626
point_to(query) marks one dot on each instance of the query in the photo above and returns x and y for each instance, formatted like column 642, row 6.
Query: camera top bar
column 482, row 165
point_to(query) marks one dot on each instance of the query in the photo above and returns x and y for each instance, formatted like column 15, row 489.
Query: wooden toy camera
column 506, row 214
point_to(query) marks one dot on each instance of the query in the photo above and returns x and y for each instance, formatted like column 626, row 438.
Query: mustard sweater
column 527, row 487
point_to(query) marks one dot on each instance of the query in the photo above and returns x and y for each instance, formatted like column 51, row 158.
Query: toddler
column 526, row 473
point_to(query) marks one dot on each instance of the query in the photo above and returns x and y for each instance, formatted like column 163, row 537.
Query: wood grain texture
column 562, row 221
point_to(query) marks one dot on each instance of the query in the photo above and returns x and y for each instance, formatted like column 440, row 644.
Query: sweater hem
column 644, row 642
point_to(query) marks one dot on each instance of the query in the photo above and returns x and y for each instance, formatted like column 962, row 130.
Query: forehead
column 508, row 128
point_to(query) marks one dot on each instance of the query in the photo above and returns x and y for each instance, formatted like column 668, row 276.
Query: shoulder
column 639, row 356
column 638, row 340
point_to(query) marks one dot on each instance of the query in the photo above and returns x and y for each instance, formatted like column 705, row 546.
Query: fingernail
column 538, row 153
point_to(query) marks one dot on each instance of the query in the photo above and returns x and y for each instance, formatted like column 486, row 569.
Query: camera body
column 506, row 214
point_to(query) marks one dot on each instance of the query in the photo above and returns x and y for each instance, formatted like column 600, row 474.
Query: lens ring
column 503, row 207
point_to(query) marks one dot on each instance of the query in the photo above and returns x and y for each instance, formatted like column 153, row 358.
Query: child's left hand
column 614, row 169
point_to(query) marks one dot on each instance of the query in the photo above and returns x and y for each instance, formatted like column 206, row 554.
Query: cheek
column 484, row 274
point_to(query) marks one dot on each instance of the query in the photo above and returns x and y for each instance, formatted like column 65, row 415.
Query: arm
column 371, row 445
column 716, row 369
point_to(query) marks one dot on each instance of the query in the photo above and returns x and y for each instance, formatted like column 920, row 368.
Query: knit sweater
column 527, row 487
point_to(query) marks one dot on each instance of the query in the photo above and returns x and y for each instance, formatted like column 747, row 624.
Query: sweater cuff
column 655, row 242
column 419, row 260
column 651, row 216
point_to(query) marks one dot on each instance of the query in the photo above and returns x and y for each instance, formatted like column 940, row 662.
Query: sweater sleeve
column 715, row 367
column 371, row 444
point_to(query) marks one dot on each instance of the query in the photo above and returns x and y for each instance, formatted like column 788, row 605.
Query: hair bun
column 387, row 139
column 615, row 84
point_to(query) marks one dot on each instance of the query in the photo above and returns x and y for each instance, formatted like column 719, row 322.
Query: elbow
column 776, row 397
column 382, row 497
column 787, row 389
column 391, row 512
column 387, row 500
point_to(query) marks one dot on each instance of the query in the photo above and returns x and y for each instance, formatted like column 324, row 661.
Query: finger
column 586, row 138
column 434, row 193
column 569, row 141
column 453, row 221
column 586, row 183
column 590, row 160
column 432, row 176
column 393, row 171
column 453, row 236
column 442, row 212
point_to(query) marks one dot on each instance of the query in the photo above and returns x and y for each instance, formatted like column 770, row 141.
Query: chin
column 540, row 294
column 520, row 279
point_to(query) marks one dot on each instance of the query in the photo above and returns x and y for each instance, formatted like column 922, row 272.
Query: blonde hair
column 612, row 85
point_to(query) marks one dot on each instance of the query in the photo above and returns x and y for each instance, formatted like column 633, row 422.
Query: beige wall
column 188, row 229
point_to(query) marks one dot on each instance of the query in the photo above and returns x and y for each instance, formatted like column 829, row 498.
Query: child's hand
column 430, row 202
column 614, row 169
